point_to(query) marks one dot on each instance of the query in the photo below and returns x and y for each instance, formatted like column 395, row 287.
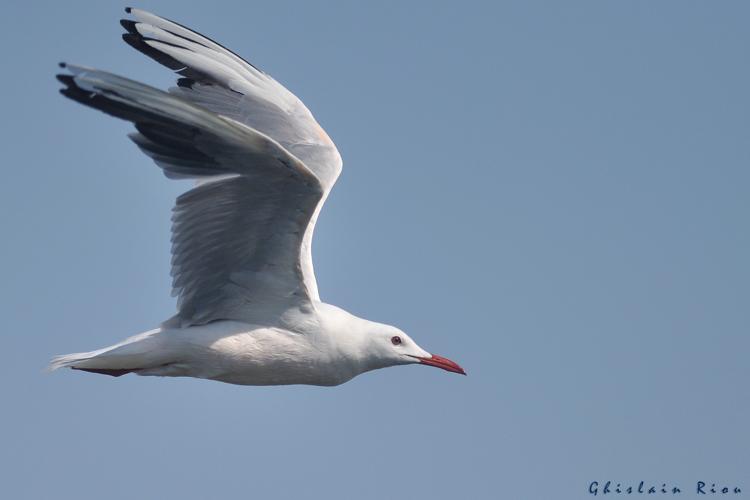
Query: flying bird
column 248, row 309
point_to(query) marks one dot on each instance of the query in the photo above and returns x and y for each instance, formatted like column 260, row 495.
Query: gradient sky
column 554, row 194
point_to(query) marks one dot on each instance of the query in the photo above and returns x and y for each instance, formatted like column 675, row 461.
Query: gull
column 248, row 308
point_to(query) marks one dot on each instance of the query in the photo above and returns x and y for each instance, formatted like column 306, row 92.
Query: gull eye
column 396, row 340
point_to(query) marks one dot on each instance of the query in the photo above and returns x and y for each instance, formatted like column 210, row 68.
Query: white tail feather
column 133, row 353
column 71, row 360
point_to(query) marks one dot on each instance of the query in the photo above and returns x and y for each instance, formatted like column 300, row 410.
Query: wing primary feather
column 182, row 31
column 217, row 79
column 137, row 42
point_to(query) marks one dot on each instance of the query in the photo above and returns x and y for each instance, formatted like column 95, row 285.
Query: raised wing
column 236, row 240
column 219, row 80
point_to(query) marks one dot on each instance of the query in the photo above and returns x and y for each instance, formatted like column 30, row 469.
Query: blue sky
column 554, row 194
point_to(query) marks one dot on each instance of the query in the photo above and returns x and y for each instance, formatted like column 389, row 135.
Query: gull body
column 326, row 346
column 249, row 311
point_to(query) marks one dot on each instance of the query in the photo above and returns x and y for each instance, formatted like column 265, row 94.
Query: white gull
column 248, row 305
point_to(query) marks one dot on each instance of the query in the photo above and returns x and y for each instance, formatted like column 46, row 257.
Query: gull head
column 390, row 346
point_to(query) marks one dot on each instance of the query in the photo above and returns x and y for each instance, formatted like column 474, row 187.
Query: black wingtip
column 129, row 26
column 62, row 64
column 137, row 42
column 186, row 83
column 128, row 9
column 66, row 80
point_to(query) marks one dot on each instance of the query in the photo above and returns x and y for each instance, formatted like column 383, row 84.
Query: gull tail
column 78, row 360
column 130, row 356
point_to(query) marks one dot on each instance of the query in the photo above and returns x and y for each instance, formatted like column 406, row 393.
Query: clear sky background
column 554, row 194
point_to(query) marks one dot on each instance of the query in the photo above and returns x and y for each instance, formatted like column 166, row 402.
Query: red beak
column 441, row 362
